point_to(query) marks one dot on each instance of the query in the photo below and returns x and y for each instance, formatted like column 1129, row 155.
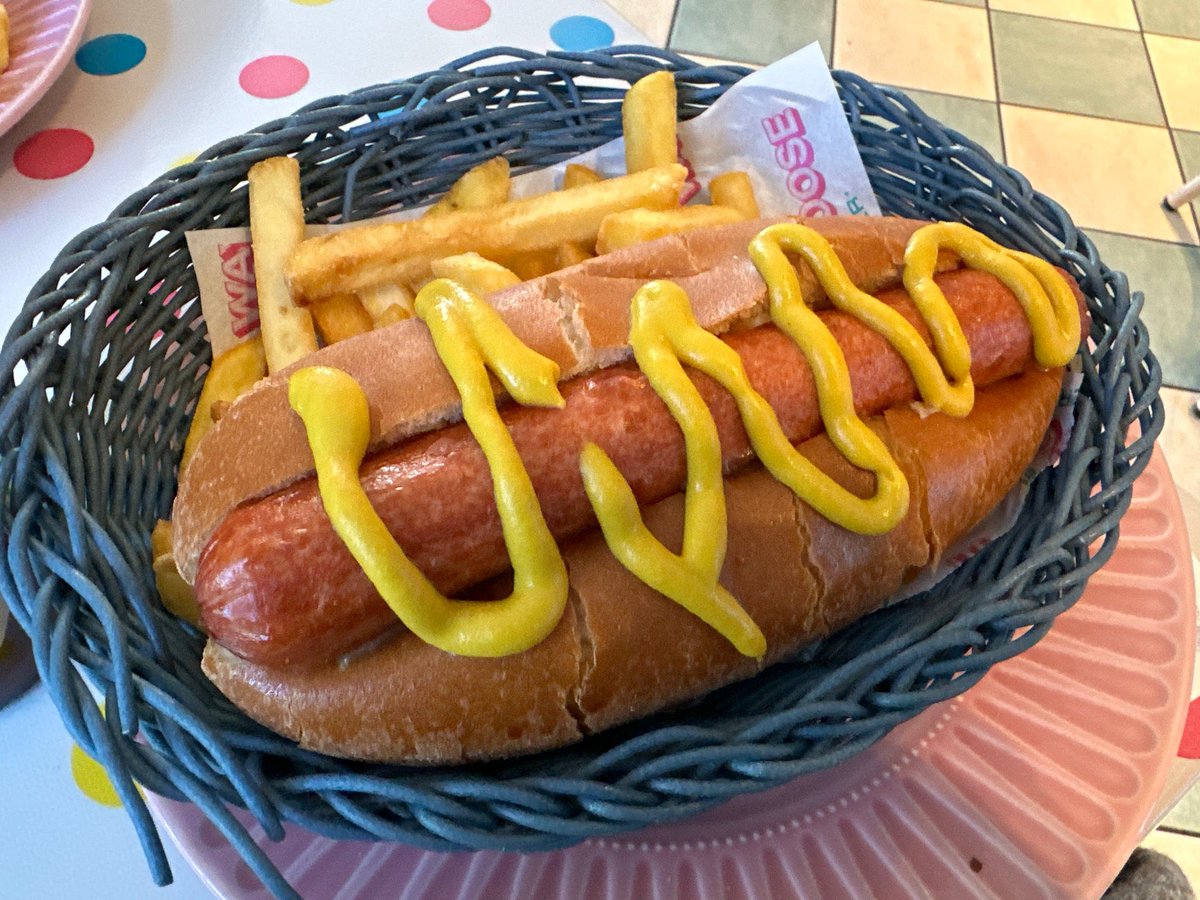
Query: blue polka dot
column 110, row 54
column 581, row 33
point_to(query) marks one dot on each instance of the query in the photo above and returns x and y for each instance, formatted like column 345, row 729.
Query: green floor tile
column 1074, row 68
column 978, row 120
column 759, row 32
column 1169, row 275
column 1188, row 145
column 1177, row 17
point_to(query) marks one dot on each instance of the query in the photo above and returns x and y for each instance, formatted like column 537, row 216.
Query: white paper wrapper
column 783, row 125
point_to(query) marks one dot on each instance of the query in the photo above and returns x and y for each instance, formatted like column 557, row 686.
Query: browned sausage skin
column 276, row 586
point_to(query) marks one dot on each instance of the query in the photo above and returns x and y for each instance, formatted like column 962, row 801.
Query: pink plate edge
column 37, row 87
column 216, row 864
column 1185, row 582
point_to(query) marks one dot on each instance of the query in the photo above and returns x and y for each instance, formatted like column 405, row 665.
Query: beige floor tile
column 1184, row 849
column 651, row 17
column 917, row 44
column 1113, row 13
column 1108, row 175
column 1176, row 64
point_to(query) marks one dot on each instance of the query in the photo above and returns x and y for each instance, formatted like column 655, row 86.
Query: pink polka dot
column 246, row 879
column 459, row 15
column 53, row 153
column 271, row 77
column 209, row 836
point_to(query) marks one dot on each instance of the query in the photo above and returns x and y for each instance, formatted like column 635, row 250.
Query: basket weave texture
column 106, row 359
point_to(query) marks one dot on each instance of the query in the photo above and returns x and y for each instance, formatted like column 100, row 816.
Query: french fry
column 387, row 303
column 574, row 252
column 339, row 317
column 176, row 594
column 577, row 175
column 3, row 38
column 160, row 539
column 533, row 264
column 350, row 260
column 635, row 226
column 276, row 229
column 571, row 254
column 231, row 374
column 393, row 314
column 476, row 274
column 648, row 119
column 487, row 184
column 734, row 190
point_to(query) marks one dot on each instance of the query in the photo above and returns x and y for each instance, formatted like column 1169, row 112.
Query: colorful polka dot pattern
column 459, row 15
column 580, row 33
column 272, row 77
column 110, row 54
column 59, row 152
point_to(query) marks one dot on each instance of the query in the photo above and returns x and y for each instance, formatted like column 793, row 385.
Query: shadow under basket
column 107, row 357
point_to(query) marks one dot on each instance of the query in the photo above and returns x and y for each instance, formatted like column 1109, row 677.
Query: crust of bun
column 577, row 317
column 624, row 651
column 410, row 702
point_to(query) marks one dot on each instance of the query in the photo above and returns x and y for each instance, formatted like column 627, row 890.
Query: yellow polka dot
column 182, row 161
column 91, row 778
column 311, row 2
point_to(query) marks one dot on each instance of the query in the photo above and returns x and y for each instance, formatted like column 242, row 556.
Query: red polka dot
column 271, row 77
column 459, row 15
column 53, row 153
column 1189, row 747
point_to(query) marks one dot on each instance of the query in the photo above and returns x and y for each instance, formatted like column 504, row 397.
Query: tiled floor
column 1097, row 102
column 1026, row 79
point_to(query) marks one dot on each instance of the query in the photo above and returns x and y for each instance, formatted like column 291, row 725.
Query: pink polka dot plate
column 1037, row 782
column 42, row 36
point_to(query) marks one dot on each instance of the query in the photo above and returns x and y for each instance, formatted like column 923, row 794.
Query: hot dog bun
column 302, row 641
column 577, row 317
column 622, row 651
column 256, row 601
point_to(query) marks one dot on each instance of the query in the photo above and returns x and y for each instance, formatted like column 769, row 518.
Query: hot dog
column 283, row 599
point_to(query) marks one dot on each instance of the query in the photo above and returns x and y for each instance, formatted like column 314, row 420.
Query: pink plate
column 43, row 35
column 1035, row 783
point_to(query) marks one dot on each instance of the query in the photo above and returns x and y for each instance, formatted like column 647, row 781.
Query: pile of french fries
column 322, row 290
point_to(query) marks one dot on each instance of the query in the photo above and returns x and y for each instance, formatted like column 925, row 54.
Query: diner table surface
column 150, row 85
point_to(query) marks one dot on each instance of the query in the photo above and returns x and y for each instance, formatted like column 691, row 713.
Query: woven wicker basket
column 108, row 355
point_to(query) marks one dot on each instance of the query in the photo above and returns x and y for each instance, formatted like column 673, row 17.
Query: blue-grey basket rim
column 64, row 569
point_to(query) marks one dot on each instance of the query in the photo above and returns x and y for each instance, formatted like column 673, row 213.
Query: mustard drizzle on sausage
column 468, row 335
column 664, row 334
column 470, row 338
